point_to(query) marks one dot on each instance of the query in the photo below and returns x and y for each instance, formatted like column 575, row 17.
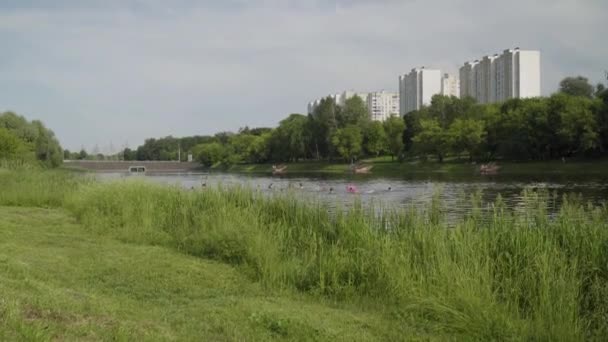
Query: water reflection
column 417, row 190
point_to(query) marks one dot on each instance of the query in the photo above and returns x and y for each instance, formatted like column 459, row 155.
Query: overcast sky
column 110, row 71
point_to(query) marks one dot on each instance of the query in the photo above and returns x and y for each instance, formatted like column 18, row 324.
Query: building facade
column 513, row 74
column 381, row 105
column 450, row 85
column 417, row 88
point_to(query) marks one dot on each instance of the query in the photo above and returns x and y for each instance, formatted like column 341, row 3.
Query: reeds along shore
column 495, row 274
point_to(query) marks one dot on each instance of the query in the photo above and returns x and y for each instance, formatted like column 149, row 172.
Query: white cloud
column 125, row 72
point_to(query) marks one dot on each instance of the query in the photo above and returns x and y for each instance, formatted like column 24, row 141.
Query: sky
column 111, row 73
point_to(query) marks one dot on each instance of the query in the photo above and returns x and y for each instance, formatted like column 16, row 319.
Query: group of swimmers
column 350, row 188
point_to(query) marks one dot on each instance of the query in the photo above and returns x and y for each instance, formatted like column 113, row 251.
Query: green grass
column 59, row 282
column 498, row 274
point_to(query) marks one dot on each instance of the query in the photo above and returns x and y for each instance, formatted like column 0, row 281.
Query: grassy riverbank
column 60, row 282
column 385, row 167
column 501, row 275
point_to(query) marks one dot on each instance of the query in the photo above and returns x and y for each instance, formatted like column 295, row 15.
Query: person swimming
column 351, row 189
column 270, row 186
column 390, row 189
column 331, row 190
column 301, row 186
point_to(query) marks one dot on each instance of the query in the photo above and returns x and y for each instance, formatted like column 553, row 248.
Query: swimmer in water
column 301, row 186
column 390, row 189
column 270, row 186
column 331, row 190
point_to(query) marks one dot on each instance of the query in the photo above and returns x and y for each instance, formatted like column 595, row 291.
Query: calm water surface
column 396, row 192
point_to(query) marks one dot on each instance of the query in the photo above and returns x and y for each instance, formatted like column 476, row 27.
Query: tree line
column 571, row 122
column 28, row 141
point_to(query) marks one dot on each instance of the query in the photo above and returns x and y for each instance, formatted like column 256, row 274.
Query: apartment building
column 381, row 105
column 417, row 88
column 450, row 85
column 513, row 74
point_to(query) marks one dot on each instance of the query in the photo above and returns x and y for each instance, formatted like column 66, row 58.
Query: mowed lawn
column 60, row 282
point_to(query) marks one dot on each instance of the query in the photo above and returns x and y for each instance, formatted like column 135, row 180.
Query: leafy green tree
column 374, row 138
column 394, row 127
column 322, row 124
column 210, row 153
column 467, row 135
column 259, row 151
column 576, row 86
column 128, row 154
column 354, row 112
column 445, row 109
column 599, row 90
column 601, row 117
column 47, row 147
column 240, row 145
column 83, row 155
column 11, row 147
column 348, row 142
column 432, row 139
column 578, row 130
column 289, row 140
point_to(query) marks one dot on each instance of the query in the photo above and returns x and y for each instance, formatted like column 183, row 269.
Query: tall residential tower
column 513, row 74
column 417, row 88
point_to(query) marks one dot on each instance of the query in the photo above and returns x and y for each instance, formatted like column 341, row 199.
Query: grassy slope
column 59, row 281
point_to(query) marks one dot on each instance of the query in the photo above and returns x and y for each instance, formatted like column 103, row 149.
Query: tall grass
column 497, row 274
column 31, row 185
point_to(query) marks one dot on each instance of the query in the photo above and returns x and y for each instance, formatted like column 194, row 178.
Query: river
column 397, row 192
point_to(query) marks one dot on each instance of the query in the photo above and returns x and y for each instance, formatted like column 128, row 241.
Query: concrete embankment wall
column 123, row 166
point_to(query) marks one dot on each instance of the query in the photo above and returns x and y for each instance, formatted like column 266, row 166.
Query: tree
column 240, row 145
column 599, row 90
column 432, row 139
column 354, row 112
column 83, row 155
column 259, row 150
column 374, row 138
column 210, row 153
column 467, row 135
column 47, row 147
column 322, row 124
column 348, row 142
column 394, row 127
column 289, row 140
column 576, row 86
column 578, row 129
column 129, row 154
column 10, row 146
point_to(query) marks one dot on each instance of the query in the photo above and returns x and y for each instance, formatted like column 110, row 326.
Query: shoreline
column 387, row 168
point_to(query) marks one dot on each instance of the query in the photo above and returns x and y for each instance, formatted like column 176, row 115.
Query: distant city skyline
column 115, row 71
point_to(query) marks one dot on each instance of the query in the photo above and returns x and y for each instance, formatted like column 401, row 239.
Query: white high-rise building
column 381, row 105
column 417, row 88
column 467, row 79
column 513, row 74
column 450, row 86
